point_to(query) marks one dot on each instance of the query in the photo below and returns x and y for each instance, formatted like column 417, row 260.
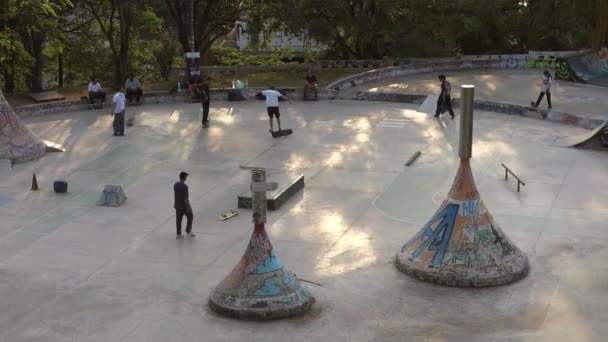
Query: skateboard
column 281, row 133
column 542, row 112
column 133, row 104
column 227, row 215
column 130, row 121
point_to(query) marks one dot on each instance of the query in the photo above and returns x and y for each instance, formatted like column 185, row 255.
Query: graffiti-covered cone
column 259, row 287
column 462, row 245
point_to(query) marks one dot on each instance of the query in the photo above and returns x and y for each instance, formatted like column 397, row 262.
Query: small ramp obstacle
column 594, row 139
column 17, row 142
column 47, row 96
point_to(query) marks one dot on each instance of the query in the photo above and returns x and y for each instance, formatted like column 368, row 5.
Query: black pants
column 205, row 112
column 97, row 95
column 179, row 215
column 540, row 98
column 447, row 101
column 134, row 92
column 119, row 123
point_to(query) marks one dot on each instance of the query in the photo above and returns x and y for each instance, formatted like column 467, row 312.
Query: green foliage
column 230, row 56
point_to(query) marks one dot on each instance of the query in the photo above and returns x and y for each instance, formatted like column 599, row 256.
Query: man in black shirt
column 206, row 98
column 445, row 99
column 182, row 206
column 311, row 84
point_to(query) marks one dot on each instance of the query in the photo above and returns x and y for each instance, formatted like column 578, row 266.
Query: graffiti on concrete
column 461, row 245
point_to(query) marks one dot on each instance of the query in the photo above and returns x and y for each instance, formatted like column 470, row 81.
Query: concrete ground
column 72, row 271
column 514, row 86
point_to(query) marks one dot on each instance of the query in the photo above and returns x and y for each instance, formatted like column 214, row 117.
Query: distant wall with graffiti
column 586, row 67
column 502, row 62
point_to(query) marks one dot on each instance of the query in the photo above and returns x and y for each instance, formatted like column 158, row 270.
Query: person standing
column 310, row 84
column 118, row 111
column 272, row 106
column 133, row 88
column 182, row 206
column 545, row 89
column 445, row 98
column 205, row 99
column 95, row 92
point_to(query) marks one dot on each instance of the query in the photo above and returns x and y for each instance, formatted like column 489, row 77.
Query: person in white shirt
column 118, row 111
column 545, row 89
column 133, row 88
column 272, row 106
column 95, row 91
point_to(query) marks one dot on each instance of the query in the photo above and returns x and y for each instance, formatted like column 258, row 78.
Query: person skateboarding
column 445, row 99
column 545, row 89
column 272, row 106
column 182, row 206
column 118, row 111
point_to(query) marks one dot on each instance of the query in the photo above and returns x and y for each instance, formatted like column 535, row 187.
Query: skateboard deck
column 130, row 121
column 227, row 215
column 542, row 112
column 282, row 133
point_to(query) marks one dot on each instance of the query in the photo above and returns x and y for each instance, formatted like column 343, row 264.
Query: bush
column 230, row 56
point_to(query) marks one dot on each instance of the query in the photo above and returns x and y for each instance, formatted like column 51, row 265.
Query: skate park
column 74, row 270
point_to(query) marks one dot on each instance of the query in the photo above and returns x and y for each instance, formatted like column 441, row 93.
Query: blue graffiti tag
column 269, row 288
column 271, row 264
column 436, row 240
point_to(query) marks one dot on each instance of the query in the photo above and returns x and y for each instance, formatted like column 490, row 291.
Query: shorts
column 273, row 111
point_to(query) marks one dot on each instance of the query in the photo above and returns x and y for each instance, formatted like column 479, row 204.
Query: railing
column 507, row 171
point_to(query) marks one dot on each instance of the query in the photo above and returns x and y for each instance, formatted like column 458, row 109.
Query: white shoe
column 190, row 235
column 179, row 236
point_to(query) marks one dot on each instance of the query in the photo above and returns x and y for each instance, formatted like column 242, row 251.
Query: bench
column 47, row 96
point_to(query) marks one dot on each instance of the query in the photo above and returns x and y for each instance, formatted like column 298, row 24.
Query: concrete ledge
column 157, row 97
column 278, row 199
column 490, row 106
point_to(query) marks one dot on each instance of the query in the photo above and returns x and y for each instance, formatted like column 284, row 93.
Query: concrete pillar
column 259, row 287
column 462, row 245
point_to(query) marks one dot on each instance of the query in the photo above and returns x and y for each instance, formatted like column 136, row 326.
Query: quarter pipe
column 595, row 139
column 585, row 67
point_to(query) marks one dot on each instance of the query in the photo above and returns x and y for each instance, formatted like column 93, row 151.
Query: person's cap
column 183, row 174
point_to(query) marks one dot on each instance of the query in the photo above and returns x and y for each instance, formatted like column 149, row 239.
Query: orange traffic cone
column 34, row 183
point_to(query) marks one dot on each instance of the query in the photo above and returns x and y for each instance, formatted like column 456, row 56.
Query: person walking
column 118, row 111
column 205, row 99
column 182, row 206
column 272, row 106
column 445, row 99
column 545, row 90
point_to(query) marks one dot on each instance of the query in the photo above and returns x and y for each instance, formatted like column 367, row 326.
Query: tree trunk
column 123, row 59
column 60, row 70
column 9, row 81
column 599, row 37
column 36, row 69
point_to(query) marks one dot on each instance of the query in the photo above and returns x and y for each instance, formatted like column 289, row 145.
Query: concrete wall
column 220, row 94
column 505, row 62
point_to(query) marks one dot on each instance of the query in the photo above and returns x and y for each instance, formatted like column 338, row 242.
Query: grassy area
column 266, row 79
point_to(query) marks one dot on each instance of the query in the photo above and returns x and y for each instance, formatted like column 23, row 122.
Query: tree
column 199, row 23
column 599, row 37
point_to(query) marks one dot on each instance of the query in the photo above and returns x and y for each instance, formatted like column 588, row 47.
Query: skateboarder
column 272, row 106
column 445, row 99
column 206, row 98
column 182, row 206
column 545, row 89
column 118, row 111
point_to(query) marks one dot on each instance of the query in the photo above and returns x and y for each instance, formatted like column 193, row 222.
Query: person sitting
column 95, row 92
column 133, row 88
column 310, row 84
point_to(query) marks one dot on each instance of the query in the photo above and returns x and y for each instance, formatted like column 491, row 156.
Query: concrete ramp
column 586, row 67
column 594, row 139
column 17, row 142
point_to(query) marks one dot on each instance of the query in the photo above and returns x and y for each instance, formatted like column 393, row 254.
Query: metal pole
column 467, row 97
column 258, row 197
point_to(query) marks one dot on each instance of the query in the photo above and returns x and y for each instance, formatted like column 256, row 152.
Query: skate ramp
column 17, row 142
column 594, row 139
column 587, row 67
